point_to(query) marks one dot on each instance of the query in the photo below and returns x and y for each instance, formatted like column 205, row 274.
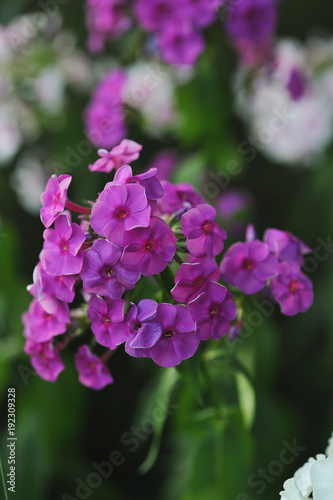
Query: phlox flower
column 103, row 272
column 204, row 236
column 213, row 310
column 126, row 152
column 178, row 198
column 149, row 250
column 292, row 289
column 248, row 266
column 285, row 246
column 191, row 277
column 41, row 326
column 253, row 20
column 180, row 44
column 54, row 198
column 144, row 330
column 107, row 321
column 148, row 180
column 45, row 359
column 119, row 209
column 92, row 371
column 62, row 253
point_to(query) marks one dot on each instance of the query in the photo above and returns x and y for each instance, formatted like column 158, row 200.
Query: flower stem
column 70, row 205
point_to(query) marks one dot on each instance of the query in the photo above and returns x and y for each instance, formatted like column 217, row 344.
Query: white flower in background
column 288, row 107
column 10, row 135
column 28, row 181
column 49, row 87
column 313, row 480
column 150, row 89
column 329, row 449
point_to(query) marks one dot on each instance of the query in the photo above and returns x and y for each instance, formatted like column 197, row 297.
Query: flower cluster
column 313, row 480
column 141, row 228
column 276, row 261
column 176, row 25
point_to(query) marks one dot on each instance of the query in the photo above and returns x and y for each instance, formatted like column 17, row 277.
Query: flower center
column 122, row 214
column 107, row 271
column 207, row 227
column 106, row 320
column 168, row 334
column 137, row 326
column 248, row 264
column 148, row 245
column 293, row 286
column 212, row 312
column 198, row 283
column 64, row 245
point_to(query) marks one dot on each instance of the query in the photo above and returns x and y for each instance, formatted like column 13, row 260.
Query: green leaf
column 247, row 399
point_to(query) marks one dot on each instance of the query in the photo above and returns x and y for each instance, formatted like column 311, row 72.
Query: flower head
column 285, row 246
column 192, row 277
column 119, row 209
column 177, row 340
column 248, row 266
column 62, row 253
column 292, row 290
column 149, row 250
column 45, row 359
column 54, row 198
column 126, row 152
column 213, row 311
column 92, row 371
column 204, row 236
column 103, row 273
column 107, row 321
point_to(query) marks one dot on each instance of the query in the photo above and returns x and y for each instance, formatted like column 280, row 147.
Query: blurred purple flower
column 126, row 152
column 45, row 359
column 54, row 198
column 92, row 371
column 180, row 44
column 253, row 20
column 291, row 289
column 286, row 246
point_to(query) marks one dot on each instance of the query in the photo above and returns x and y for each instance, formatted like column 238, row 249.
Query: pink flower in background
column 178, row 198
column 248, row 266
column 149, row 250
column 126, row 152
column 292, row 290
column 92, row 371
column 54, row 198
column 45, row 359
column 62, row 253
column 107, row 321
column 213, row 310
column 204, row 235
column 164, row 163
column 119, row 209
column 154, row 15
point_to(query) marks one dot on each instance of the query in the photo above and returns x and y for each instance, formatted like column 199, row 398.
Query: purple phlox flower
column 286, row 246
column 148, row 180
column 154, row 15
column 126, row 152
column 164, row 162
column 92, row 371
column 103, row 272
column 292, row 289
column 62, row 253
column 253, row 20
column 200, row 12
column 41, row 326
column 49, row 290
column 54, row 198
column 180, row 44
column 204, row 235
column 213, row 310
column 104, row 115
column 248, row 266
column 250, row 233
column 178, row 198
column 119, row 209
column 149, row 250
column 45, row 359
column 178, row 340
column 107, row 321
column 191, row 277
column 297, row 84
column 105, row 21
column 144, row 330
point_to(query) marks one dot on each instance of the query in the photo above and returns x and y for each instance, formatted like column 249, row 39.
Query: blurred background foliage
column 63, row 427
